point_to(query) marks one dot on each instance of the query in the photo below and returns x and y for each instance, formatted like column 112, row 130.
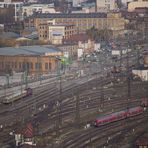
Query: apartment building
column 106, row 5
column 55, row 33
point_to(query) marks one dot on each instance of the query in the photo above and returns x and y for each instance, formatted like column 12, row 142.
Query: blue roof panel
column 28, row 50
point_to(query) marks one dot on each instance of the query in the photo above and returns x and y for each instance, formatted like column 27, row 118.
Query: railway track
column 101, row 134
column 92, row 96
column 48, row 97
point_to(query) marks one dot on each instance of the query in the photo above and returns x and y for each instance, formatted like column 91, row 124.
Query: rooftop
column 72, row 15
column 7, row 35
column 29, row 50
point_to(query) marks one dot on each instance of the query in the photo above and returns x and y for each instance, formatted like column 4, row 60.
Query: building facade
column 106, row 5
column 113, row 21
column 13, row 4
column 71, row 49
column 7, row 15
column 35, row 60
column 55, row 33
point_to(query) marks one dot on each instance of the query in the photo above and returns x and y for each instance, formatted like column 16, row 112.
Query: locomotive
column 121, row 114
column 17, row 96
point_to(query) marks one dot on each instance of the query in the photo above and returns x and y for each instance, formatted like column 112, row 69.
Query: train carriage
column 144, row 102
column 135, row 111
column 110, row 118
column 17, row 96
column 118, row 116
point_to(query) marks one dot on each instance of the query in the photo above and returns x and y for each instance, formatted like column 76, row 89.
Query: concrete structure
column 17, row 5
column 112, row 21
column 137, row 4
column 106, row 5
column 32, row 59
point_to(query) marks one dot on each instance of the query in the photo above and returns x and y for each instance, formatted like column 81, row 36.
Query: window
column 40, row 65
column 20, row 65
column 49, row 65
column 46, row 66
column 36, row 66
column 15, row 64
column 12, row 65
column 2, row 65
column 31, row 65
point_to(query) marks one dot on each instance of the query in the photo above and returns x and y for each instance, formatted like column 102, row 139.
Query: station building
column 35, row 60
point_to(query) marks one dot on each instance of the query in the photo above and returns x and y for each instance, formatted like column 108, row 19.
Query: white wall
column 143, row 74
column 80, row 52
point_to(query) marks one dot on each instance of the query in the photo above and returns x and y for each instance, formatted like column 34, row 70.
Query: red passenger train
column 118, row 116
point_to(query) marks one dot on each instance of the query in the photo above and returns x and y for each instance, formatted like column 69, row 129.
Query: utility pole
column 120, row 57
column 138, row 57
column 7, row 80
column 102, row 94
column 59, row 102
column 128, row 79
column 21, row 83
column 26, row 78
column 77, row 117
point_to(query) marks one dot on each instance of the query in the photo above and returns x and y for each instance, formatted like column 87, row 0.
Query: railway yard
column 63, row 111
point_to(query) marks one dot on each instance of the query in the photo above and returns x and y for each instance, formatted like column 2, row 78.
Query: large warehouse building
column 32, row 59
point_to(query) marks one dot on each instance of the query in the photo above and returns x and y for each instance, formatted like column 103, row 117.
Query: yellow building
column 33, row 59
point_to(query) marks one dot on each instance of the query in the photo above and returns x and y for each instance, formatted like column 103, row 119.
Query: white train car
column 17, row 96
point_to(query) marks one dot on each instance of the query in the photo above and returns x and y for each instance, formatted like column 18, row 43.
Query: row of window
column 28, row 65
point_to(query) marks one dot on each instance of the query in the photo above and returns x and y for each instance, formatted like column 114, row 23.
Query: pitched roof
column 71, row 15
column 29, row 50
column 7, row 35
